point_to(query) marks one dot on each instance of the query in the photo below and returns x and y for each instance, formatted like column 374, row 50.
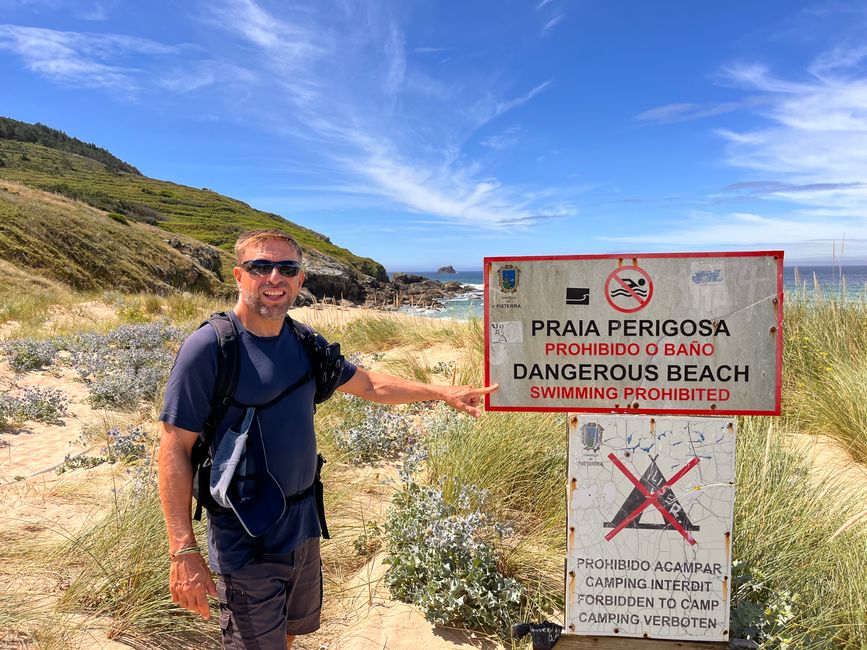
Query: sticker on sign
column 650, row 519
column 688, row 333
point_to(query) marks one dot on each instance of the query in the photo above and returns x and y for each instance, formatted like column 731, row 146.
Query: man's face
column 269, row 296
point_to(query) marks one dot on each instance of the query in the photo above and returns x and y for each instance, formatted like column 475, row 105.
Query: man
column 269, row 586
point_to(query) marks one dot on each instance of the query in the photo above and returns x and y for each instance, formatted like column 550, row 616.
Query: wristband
column 187, row 550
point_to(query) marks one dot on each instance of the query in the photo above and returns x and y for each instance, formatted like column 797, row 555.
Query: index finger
column 484, row 390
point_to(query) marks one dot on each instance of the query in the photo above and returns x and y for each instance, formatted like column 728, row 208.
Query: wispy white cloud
column 502, row 140
column 78, row 58
column 800, row 237
column 811, row 154
column 386, row 122
column 816, row 139
column 548, row 26
column 682, row 112
column 122, row 65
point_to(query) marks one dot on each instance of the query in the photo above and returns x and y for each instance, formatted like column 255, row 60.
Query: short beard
column 276, row 312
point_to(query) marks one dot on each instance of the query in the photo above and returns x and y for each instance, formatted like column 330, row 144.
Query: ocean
column 798, row 280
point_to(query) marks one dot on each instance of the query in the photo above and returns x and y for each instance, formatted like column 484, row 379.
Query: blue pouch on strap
column 240, row 479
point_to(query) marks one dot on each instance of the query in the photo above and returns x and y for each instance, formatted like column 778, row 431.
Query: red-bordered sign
column 628, row 289
column 695, row 281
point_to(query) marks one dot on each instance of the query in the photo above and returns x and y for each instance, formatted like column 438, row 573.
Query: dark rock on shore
column 328, row 278
column 413, row 290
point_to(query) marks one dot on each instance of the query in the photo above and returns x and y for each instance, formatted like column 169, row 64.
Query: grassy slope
column 82, row 247
column 198, row 213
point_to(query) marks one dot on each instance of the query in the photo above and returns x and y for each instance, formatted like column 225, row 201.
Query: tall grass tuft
column 372, row 334
column 789, row 527
column 124, row 576
column 825, row 371
column 410, row 365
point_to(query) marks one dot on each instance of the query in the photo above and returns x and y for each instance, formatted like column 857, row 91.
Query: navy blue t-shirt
column 268, row 366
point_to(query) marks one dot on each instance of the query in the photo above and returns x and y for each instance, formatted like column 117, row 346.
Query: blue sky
column 432, row 133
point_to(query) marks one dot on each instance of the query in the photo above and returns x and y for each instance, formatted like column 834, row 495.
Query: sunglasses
column 287, row 268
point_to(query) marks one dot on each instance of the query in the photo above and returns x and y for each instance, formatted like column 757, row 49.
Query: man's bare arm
column 388, row 389
column 190, row 580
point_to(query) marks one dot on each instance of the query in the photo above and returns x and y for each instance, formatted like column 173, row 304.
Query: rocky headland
column 330, row 281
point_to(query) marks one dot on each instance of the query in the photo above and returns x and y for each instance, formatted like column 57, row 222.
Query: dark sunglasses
column 287, row 268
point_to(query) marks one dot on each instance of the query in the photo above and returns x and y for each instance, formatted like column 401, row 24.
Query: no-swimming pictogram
column 628, row 289
column 652, row 489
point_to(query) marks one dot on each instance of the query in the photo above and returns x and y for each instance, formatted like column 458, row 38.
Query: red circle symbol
column 628, row 289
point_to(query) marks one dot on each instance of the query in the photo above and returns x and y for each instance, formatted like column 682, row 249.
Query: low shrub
column 46, row 405
column 369, row 541
column 758, row 612
column 125, row 366
column 128, row 447
column 29, row 354
column 443, row 559
column 382, row 435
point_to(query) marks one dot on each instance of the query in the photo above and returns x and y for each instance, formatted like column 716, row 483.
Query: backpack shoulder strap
column 326, row 362
column 224, row 390
column 227, row 370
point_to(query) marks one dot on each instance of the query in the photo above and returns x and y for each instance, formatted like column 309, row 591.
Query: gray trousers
column 270, row 598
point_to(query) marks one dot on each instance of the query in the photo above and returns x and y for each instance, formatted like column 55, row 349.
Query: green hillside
column 40, row 134
column 62, row 240
column 198, row 214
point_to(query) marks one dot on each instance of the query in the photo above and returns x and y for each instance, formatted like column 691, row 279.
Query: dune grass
column 825, row 370
column 802, row 534
column 124, row 567
column 791, row 527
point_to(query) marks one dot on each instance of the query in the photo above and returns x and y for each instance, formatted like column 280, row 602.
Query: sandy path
column 36, row 447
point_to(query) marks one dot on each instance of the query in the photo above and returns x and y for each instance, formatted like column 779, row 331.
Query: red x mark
column 652, row 499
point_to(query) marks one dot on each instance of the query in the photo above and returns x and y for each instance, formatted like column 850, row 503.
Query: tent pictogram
column 652, row 489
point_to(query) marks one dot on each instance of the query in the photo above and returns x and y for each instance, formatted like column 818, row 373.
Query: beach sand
column 39, row 506
column 42, row 509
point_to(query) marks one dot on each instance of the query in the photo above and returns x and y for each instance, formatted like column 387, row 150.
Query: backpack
column 326, row 366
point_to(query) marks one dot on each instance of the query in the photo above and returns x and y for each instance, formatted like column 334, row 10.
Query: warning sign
column 628, row 289
column 649, row 519
column 689, row 333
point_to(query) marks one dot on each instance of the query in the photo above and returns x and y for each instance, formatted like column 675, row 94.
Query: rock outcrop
column 413, row 290
column 446, row 269
column 205, row 256
column 328, row 278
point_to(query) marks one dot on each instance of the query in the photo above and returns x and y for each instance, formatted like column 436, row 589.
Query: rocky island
column 446, row 269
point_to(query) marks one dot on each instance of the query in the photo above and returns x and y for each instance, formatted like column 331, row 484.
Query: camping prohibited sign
column 688, row 333
column 650, row 520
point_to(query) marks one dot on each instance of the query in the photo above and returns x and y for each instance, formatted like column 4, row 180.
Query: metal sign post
column 650, row 498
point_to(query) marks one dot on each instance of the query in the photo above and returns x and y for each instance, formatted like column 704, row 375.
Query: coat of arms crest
column 509, row 276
